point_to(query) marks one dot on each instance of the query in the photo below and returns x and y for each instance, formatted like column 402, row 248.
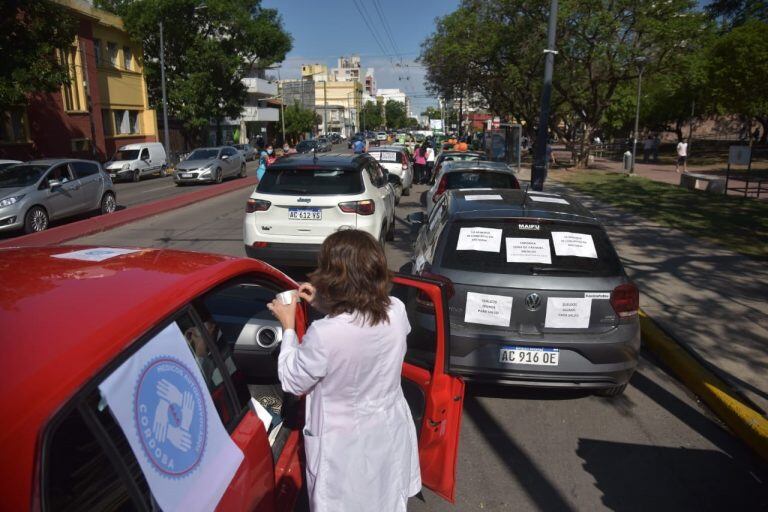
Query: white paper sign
column 574, row 244
column 388, row 156
column 95, row 254
column 479, row 239
column 161, row 402
column 488, row 309
column 568, row 313
column 375, row 154
column 540, row 193
column 528, row 250
column 487, row 197
column 597, row 295
column 547, row 199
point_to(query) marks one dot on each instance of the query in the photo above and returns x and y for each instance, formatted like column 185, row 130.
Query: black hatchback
column 538, row 295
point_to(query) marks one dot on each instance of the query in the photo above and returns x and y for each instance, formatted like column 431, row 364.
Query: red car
column 73, row 316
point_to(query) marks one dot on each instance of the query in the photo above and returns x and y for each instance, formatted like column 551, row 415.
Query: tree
column 733, row 13
column 431, row 113
column 209, row 48
column 371, row 117
column 738, row 72
column 298, row 121
column 395, row 114
column 31, row 32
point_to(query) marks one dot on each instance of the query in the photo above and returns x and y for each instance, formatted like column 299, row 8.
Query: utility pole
column 166, row 143
column 461, row 111
column 539, row 170
column 637, row 114
column 325, row 107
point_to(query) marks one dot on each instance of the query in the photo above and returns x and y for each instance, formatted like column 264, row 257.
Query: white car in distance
column 396, row 161
column 303, row 198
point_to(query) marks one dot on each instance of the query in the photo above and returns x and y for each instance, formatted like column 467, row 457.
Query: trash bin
column 627, row 161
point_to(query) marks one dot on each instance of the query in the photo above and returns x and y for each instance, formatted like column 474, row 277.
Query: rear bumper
column 291, row 255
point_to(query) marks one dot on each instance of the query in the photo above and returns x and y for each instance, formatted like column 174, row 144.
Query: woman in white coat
column 359, row 437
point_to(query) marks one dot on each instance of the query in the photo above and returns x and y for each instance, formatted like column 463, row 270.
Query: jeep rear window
column 606, row 264
column 313, row 181
column 480, row 179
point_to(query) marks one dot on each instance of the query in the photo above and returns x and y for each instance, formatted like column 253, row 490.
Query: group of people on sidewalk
column 423, row 163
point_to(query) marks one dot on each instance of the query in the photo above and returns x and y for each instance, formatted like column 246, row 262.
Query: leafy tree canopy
column 298, row 120
column 395, row 114
column 370, row 116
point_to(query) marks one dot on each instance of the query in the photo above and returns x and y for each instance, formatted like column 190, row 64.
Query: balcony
column 260, row 87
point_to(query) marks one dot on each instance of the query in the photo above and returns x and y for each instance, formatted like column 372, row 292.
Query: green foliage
column 209, row 48
column 395, row 114
column 298, row 121
column 30, row 33
column 431, row 113
column 371, row 117
column 733, row 13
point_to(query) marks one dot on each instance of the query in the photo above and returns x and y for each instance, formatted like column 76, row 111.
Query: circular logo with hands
column 170, row 416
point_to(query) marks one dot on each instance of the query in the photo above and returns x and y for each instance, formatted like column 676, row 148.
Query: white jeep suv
column 303, row 198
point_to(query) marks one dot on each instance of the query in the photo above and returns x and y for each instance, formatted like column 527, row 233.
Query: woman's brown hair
column 352, row 276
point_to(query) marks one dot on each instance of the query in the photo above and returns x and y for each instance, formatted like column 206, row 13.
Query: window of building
column 13, row 126
column 112, row 53
column 126, row 122
column 106, row 121
column 97, row 51
column 80, row 145
column 127, row 58
column 73, row 93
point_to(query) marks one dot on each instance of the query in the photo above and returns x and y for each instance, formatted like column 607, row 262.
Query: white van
column 133, row 161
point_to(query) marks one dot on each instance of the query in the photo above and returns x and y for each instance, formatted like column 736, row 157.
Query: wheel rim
column 109, row 203
column 218, row 177
column 39, row 220
column 136, row 176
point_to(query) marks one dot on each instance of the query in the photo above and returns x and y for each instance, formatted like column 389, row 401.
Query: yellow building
column 337, row 102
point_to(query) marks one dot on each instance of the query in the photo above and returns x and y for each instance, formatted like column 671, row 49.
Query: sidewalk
column 712, row 300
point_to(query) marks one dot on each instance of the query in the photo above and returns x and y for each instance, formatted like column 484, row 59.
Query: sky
column 325, row 30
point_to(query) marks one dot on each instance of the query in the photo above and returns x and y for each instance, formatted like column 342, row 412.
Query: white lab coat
column 359, row 437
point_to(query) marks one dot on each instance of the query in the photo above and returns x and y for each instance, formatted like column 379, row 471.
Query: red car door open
column 434, row 397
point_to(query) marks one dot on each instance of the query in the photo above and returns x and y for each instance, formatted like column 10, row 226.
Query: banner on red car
column 161, row 402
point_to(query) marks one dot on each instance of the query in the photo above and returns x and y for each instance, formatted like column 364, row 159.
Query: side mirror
column 225, row 157
column 53, row 184
column 416, row 218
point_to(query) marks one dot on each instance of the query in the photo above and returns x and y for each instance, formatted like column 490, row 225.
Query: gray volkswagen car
column 210, row 165
column 537, row 294
column 34, row 193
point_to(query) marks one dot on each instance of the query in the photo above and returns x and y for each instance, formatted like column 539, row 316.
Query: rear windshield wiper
column 556, row 270
column 297, row 190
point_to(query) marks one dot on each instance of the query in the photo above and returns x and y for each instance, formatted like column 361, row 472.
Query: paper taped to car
column 479, row 239
column 574, row 244
column 488, row 309
column 568, row 313
column 528, row 250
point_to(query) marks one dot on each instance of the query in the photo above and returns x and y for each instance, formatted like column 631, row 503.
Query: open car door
column 434, row 397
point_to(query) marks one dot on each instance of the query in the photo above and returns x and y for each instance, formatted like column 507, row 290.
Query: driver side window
column 59, row 173
column 144, row 154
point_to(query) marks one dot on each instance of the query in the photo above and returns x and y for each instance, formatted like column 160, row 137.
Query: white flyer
column 388, row 156
column 479, row 239
column 528, row 250
column 95, row 254
column 547, row 199
column 163, row 406
column 574, row 244
column 488, row 309
column 375, row 154
column 565, row 313
column 480, row 197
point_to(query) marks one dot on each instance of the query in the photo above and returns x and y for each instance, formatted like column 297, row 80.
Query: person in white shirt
column 682, row 156
column 430, row 162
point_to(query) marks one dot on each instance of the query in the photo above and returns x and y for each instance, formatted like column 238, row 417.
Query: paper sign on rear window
column 388, row 156
column 375, row 154
column 546, row 199
column 528, row 250
column 565, row 313
column 479, row 239
column 486, row 197
column 488, row 309
column 574, row 244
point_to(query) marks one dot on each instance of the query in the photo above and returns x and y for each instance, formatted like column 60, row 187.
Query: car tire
column 612, row 391
column 36, row 220
column 108, row 203
column 243, row 172
column 407, row 191
column 136, row 176
column 219, row 176
column 390, row 236
column 383, row 237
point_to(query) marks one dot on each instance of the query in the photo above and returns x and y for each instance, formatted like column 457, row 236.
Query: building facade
column 104, row 107
column 348, row 68
column 301, row 92
column 259, row 117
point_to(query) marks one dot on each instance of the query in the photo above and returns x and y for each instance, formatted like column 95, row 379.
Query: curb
column 745, row 422
column 101, row 223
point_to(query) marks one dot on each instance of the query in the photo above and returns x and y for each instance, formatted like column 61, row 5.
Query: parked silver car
column 248, row 151
column 210, row 165
column 34, row 193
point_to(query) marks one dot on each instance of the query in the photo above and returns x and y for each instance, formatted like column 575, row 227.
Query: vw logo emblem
column 533, row 301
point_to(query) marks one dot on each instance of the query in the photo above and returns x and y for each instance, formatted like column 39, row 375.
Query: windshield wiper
column 555, row 270
column 297, row 190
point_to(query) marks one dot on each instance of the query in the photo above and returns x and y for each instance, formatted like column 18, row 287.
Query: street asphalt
column 654, row 448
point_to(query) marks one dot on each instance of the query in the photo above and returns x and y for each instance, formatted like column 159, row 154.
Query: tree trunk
column 679, row 130
column 583, row 162
column 764, row 123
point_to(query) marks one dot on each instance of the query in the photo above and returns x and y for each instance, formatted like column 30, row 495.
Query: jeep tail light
column 440, row 189
column 405, row 164
column 423, row 302
column 364, row 207
column 257, row 205
column 625, row 300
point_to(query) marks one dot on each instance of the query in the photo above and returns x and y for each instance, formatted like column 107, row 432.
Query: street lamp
column 640, row 64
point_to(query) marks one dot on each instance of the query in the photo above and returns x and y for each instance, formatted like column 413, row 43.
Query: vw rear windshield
column 527, row 247
column 316, row 182
column 480, row 179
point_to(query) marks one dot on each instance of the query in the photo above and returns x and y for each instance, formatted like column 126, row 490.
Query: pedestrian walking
column 262, row 169
column 682, row 156
column 647, row 148
column 420, row 164
column 360, row 440
column 655, row 148
column 430, row 162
